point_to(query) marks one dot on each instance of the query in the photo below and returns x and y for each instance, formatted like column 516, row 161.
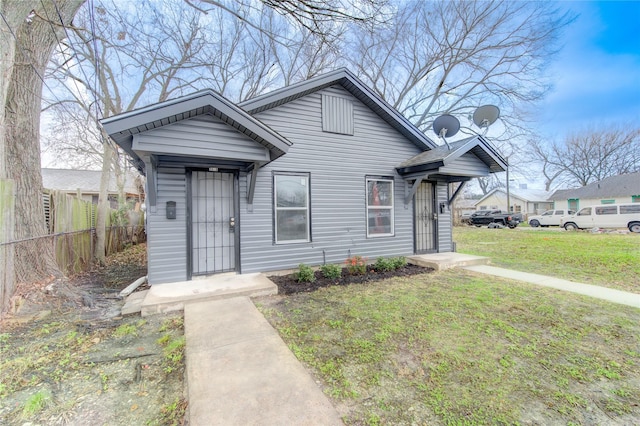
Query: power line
column 95, row 88
column 29, row 61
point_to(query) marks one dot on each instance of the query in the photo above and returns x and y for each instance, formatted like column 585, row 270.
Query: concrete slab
column 133, row 303
column 442, row 261
column 240, row 372
column 604, row 293
column 173, row 296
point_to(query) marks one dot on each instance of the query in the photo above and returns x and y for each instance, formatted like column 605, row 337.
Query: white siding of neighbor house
column 202, row 136
column 587, row 202
column 338, row 165
column 167, row 238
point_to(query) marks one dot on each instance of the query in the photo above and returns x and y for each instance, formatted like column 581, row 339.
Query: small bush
column 356, row 265
column 305, row 274
column 332, row 272
column 384, row 265
column 399, row 262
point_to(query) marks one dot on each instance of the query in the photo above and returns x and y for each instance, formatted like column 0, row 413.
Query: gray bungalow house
column 311, row 173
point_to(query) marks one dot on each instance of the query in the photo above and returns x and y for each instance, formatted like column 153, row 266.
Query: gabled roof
column 615, row 186
column 352, row 84
column 528, row 195
column 441, row 156
column 122, row 127
column 87, row 181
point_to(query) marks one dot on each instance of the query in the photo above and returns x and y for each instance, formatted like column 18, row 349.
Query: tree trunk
column 103, row 201
column 15, row 12
column 35, row 42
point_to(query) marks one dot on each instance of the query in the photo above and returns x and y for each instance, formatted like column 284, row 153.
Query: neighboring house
column 311, row 173
column 525, row 201
column 85, row 184
column 463, row 206
column 612, row 190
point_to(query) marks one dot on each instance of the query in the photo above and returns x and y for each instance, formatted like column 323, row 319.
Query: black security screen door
column 425, row 219
column 213, row 222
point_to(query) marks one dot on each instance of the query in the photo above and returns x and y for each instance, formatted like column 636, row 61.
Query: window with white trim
column 379, row 206
column 291, row 208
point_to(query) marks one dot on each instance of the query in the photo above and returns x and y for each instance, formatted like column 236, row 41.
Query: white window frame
column 306, row 208
column 369, row 207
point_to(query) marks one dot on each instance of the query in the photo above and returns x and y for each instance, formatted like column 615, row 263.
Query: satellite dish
column 446, row 126
column 486, row 115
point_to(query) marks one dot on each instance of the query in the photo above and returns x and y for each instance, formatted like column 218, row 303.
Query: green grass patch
column 36, row 403
column 457, row 348
column 610, row 260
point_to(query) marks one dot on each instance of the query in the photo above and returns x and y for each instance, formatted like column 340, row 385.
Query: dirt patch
column 68, row 356
column 289, row 284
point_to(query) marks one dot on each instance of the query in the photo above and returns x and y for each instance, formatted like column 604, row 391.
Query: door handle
column 232, row 224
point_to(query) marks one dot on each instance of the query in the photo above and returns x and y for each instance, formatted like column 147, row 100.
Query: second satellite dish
column 446, row 126
column 486, row 115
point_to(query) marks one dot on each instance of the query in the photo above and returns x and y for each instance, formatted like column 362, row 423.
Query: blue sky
column 597, row 74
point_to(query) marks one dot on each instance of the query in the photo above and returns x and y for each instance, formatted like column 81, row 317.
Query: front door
column 425, row 219
column 212, row 222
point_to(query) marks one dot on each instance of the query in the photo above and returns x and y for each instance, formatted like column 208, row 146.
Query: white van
column 605, row 216
column 548, row 218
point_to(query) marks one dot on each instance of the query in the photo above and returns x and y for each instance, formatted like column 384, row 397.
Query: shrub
column 399, row 262
column 356, row 265
column 332, row 272
column 383, row 265
column 305, row 274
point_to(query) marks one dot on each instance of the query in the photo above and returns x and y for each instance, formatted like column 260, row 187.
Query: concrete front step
column 442, row 261
column 161, row 298
column 133, row 302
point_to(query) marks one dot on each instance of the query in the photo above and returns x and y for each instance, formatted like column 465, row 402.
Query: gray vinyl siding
column 167, row 238
column 203, row 136
column 445, row 243
column 337, row 165
column 466, row 165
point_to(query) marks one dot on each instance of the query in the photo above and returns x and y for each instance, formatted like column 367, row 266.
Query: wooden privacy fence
column 7, row 276
column 72, row 235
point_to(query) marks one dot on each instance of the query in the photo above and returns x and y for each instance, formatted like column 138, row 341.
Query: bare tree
column 119, row 59
column 590, row 155
column 116, row 60
column 35, row 37
column 245, row 62
column 446, row 56
column 451, row 56
column 321, row 18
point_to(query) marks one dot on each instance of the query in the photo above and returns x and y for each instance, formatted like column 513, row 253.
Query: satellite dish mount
column 446, row 126
column 485, row 116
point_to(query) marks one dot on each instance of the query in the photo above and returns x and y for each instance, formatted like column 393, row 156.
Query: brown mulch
column 288, row 284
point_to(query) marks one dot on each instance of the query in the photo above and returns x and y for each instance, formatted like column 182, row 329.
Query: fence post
column 7, row 257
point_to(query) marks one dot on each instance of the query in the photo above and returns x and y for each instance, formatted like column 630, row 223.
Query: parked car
column 497, row 216
column 605, row 216
column 466, row 217
column 548, row 218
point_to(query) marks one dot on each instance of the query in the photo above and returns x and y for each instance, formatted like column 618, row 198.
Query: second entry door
column 425, row 219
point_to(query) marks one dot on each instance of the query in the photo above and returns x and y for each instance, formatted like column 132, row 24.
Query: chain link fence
column 71, row 252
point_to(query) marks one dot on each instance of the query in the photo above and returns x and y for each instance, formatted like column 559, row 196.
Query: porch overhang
column 124, row 128
column 461, row 161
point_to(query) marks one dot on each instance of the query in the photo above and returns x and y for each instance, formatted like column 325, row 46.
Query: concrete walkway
column 604, row 293
column 240, row 372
